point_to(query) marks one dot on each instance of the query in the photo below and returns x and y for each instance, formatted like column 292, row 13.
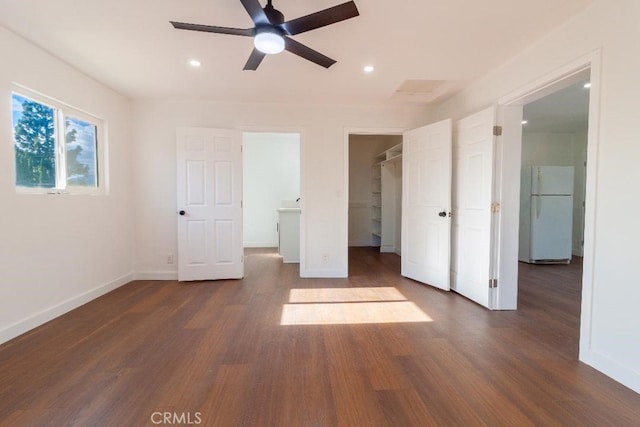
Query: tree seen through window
column 35, row 134
column 34, row 138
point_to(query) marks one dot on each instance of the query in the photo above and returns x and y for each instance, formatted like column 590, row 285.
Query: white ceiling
column 130, row 46
column 566, row 110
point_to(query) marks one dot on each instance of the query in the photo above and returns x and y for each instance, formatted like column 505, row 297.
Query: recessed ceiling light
column 587, row 85
column 194, row 63
column 368, row 68
column 524, row 122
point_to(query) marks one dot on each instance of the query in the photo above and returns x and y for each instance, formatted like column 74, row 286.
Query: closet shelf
column 385, row 198
column 393, row 159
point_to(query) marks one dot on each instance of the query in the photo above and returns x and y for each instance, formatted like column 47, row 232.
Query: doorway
column 508, row 185
column 554, row 149
column 271, row 186
column 555, row 133
column 375, row 192
column 412, row 194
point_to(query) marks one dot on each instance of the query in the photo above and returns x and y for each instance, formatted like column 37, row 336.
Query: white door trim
column 551, row 82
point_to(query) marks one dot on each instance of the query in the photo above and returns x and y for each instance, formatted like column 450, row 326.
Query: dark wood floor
column 216, row 353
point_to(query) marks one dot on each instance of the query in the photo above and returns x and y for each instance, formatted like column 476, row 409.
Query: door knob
column 442, row 214
column 182, row 213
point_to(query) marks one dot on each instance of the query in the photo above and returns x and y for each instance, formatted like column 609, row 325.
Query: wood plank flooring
column 216, row 354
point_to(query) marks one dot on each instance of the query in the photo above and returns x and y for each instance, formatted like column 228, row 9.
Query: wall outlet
column 170, row 259
column 325, row 258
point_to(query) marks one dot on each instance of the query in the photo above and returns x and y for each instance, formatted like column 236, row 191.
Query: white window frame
column 61, row 111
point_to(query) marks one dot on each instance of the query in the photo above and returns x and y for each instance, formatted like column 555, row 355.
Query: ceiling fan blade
column 255, row 11
column 320, row 19
column 249, row 32
column 307, row 53
column 254, row 60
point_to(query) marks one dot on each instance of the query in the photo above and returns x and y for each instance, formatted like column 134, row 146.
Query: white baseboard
column 390, row 249
column 625, row 375
column 57, row 310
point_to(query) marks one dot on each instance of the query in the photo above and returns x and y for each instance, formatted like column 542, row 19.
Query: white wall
column 58, row 252
column 323, row 171
column 362, row 151
column 610, row 315
column 271, row 173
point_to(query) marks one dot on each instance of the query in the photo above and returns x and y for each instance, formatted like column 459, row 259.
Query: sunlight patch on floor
column 345, row 295
column 339, row 306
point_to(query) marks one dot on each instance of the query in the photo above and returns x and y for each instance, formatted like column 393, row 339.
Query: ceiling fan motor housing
column 274, row 15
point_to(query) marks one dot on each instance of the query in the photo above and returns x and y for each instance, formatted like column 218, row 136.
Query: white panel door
column 209, row 188
column 426, row 204
column 473, row 150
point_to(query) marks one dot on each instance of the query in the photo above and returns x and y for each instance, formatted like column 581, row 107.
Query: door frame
column 510, row 115
column 391, row 131
column 303, row 181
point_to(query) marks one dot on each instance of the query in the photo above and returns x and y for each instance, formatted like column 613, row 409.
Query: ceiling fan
column 270, row 34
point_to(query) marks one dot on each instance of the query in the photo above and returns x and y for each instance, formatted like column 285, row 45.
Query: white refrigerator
column 546, row 214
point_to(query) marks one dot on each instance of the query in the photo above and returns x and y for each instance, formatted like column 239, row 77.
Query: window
column 56, row 147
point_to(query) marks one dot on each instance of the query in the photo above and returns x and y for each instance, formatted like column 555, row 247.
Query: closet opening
column 375, row 192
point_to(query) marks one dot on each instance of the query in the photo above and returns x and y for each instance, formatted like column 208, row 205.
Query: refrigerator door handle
column 538, row 200
column 539, row 180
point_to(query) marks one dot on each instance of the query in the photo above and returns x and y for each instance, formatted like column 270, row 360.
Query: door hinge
column 493, row 283
column 497, row 130
column 495, row 207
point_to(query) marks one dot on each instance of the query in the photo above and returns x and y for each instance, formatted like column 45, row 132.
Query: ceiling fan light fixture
column 272, row 34
column 268, row 40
